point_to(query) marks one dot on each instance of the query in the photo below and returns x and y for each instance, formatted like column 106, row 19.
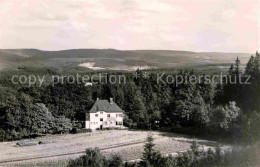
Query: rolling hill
column 115, row 59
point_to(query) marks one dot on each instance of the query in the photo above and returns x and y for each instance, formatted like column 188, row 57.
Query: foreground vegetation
column 236, row 157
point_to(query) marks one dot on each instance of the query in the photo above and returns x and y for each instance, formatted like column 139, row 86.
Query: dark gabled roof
column 104, row 105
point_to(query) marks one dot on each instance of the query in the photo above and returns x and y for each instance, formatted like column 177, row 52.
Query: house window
column 116, row 123
column 101, row 112
column 96, row 115
column 108, row 115
column 101, row 119
column 119, row 115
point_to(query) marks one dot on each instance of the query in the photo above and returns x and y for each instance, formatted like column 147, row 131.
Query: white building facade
column 104, row 114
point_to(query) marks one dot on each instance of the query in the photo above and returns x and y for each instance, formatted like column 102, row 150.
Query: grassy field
column 128, row 144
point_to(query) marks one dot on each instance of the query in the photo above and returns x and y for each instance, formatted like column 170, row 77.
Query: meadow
column 126, row 143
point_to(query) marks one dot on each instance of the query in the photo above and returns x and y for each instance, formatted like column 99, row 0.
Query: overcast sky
column 195, row 25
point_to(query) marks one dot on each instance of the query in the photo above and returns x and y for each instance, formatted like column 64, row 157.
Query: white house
column 104, row 114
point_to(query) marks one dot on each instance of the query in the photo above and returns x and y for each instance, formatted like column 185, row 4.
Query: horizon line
column 124, row 50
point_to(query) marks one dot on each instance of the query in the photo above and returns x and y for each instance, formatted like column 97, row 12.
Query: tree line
column 194, row 157
column 207, row 109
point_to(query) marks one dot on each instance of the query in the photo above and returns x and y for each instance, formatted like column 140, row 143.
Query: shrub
column 115, row 161
column 224, row 120
column 88, row 130
column 94, row 158
column 76, row 130
column 45, row 141
column 236, row 157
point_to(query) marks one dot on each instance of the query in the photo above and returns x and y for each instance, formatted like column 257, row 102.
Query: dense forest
column 222, row 110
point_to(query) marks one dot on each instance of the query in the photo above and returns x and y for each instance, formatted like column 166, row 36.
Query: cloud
column 253, row 15
column 130, row 24
column 229, row 14
column 116, row 39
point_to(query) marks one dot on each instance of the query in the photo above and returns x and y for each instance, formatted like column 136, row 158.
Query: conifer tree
column 151, row 158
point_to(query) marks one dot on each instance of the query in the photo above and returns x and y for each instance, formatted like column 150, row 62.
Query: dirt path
column 71, row 153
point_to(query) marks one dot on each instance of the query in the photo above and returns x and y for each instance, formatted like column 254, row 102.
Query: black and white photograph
column 129, row 83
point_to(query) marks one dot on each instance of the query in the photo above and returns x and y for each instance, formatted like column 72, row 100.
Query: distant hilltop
column 111, row 59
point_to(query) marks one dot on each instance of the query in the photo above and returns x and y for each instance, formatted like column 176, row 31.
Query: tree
column 253, row 66
column 231, row 69
column 135, row 107
column 115, row 161
column 250, row 127
column 93, row 158
column 151, row 158
column 250, row 66
column 190, row 108
column 225, row 119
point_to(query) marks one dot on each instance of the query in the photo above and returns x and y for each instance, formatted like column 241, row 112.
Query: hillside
column 114, row 59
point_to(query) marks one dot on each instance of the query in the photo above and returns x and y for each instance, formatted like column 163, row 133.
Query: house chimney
column 111, row 100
